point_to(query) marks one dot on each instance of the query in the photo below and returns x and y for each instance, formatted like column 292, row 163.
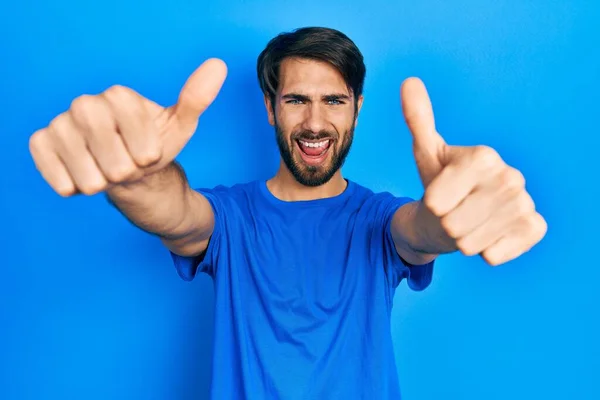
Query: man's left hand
column 473, row 202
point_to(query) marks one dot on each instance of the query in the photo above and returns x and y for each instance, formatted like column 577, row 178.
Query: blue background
column 91, row 308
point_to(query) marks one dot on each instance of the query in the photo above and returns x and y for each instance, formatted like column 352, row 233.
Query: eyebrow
column 326, row 97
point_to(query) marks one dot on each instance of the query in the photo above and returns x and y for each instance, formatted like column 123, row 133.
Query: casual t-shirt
column 303, row 293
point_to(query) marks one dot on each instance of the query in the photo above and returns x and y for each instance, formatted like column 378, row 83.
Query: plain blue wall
column 91, row 308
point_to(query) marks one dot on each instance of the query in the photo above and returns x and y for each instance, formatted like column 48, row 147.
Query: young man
column 305, row 264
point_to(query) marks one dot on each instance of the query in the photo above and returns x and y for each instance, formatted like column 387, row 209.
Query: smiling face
column 314, row 118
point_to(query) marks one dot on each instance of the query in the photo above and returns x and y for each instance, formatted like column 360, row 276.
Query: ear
column 269, row 108
column 358, row 107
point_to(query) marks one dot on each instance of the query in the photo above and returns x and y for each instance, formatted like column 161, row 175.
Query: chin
column 311, row 175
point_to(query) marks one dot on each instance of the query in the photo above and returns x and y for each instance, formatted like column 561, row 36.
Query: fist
column 119, row 136
column 477, row 203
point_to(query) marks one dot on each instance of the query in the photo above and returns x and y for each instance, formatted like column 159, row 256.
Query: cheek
column 284, row 133
column 286, row 124
column 345, row 130
column 290, row 115
column 343, row 120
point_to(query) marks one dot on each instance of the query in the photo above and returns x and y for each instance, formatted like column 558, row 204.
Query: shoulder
column 381, row 203
column 230, row 198
column 238, row 190
column 372, row 196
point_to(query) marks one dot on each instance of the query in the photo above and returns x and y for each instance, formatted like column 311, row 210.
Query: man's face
column 314, row 119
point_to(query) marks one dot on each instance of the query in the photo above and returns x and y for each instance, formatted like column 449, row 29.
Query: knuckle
column 512, row 178
column 148, row 157
column 120, row 173
column 527, row 223
column 65, row 190
column 36, row 141
column 466, row 248
column 92, row 187
column 486, row 157
column 492, row 258
column 533, row 228
column 126, row 106
column 432, row 204
column 525, row 204
column 83, row 105
column 542, row 226
column 60, row 126
column 450, row 228
column 117, row 92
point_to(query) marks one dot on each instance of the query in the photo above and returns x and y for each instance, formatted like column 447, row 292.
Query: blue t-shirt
column 303, row 294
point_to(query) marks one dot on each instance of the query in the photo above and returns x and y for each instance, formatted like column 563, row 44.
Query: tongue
column 314, row 151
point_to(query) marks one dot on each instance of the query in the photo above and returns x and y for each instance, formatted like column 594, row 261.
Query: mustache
column 309, row 135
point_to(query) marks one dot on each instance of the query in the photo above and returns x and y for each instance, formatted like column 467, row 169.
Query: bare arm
column 416, row 242
column 163, row 204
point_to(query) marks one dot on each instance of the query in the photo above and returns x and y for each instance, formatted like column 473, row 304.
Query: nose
column 315, row 119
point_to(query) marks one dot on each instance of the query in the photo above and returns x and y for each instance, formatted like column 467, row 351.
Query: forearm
column 158, row 203
column 417, row 236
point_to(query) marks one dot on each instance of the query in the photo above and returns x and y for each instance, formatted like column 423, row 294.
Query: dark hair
column 316, row 43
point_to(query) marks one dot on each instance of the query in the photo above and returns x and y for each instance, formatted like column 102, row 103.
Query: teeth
column 317, row 144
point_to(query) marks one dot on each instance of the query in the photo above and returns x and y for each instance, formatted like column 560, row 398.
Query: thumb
column 200, row 90
column 418, row 114
column 428, row 144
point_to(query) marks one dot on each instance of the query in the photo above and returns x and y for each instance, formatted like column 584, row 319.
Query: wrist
column 148, row 181
column 430, row 237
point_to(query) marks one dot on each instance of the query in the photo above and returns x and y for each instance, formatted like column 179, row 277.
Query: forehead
column 308, row 77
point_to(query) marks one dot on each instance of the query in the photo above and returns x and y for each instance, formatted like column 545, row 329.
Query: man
column 305, row 264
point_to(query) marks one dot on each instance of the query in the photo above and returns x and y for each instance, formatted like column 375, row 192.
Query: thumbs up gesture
column 475, row 202
column 119, row 136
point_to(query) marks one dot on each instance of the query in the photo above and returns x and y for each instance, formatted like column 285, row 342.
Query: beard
column 313, row 175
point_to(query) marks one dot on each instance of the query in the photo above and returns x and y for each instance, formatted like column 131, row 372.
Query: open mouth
column 314, row 152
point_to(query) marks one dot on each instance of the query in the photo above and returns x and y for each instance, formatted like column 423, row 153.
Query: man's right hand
column 119, row 136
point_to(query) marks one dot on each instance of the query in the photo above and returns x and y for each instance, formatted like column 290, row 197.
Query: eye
column 294, row 101
column 334, row 102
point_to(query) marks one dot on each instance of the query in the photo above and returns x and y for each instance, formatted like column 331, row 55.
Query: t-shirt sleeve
column 418, row 277
column 188, row 267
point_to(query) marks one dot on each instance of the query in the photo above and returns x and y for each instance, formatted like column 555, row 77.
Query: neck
column 285, row 187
